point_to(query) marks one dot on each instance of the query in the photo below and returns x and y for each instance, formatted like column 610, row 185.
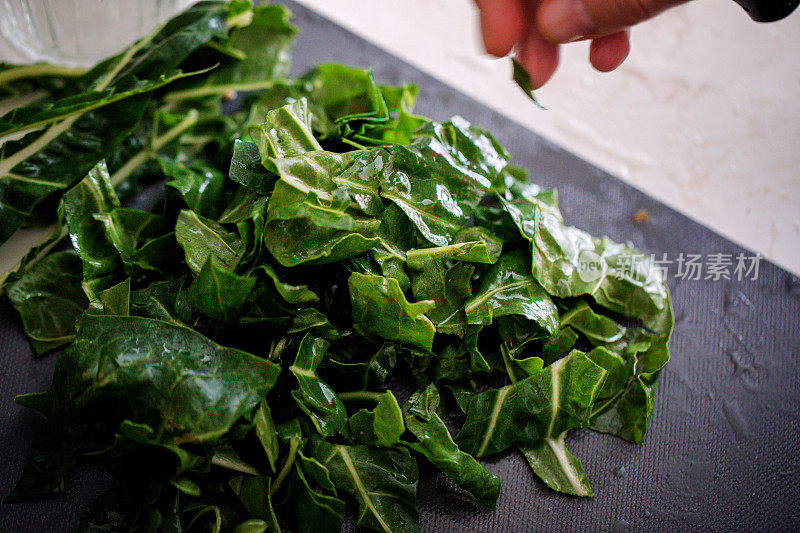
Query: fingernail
column 564, row 21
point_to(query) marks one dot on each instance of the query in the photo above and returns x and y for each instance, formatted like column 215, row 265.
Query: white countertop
column 704, row 115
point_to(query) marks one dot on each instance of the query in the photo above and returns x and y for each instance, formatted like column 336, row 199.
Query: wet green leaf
column 383, row 481
column 218, row 293
column 422, row 418
column 91, row 198
column 314, row 396
column 49, row 299
column 199, row 185
column 380, row 309
column 540, row 406
column 201, row 238
column 507, row 288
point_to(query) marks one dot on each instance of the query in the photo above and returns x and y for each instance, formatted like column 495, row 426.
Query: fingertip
column 609, row 52
column 503, row 23
column 563, row 21
column 539, row 58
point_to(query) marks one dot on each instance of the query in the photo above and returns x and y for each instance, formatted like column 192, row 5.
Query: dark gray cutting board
column 722, row 451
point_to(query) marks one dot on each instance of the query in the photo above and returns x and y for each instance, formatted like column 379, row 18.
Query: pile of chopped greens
column 331, row 293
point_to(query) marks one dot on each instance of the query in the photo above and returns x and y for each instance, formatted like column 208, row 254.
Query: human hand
column 536, row 28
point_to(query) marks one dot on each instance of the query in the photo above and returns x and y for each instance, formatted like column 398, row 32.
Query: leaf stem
column 359, row 395
column 37, row 71
column 353, row 143
column 40, row 254
column 204, row 510
column 231, row 52
column 294, row 444
column 159, row 142
column 224, row 462
column 509, row 370
column 209, row 90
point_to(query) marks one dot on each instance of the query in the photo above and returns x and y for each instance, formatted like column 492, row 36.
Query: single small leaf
column 347, row 93
column 94, row 195
column 507, row 288
column 162, row 300
column 131, row 230
column 186, row 486
column 436, row 444
column 201, row 237
column 199, row 185
column 293, row 294
column 545, row 404
column 266, row 433
column 559, row 345
column 597, row 328
column 448, row 288
column 49, row 299
column 558, row 468
column 246, row 168
column 381, row 426
column 383, row 481
column 116, row 300
column 286, row 132
column 523, row 80
column 381, row 310
column 254, row 493
column 254, row 525
column 315, row 510
column 218, row 293
column 314, row 396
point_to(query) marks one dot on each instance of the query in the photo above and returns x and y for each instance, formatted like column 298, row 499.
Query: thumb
column 561, row 21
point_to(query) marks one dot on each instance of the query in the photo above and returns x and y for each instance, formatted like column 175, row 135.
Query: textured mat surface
column 721, row 454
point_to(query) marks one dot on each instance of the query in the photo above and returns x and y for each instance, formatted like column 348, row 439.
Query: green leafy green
column 246, row 168
column 540, row 406
column 508, row 289
column 49, row 299
column 422, row 418
column 200, row 186
column 314, row 396
column 235, row 351
column 347, row 94
column 261, row 51
column 202, row 238
column 569, row 262
column 92, row 197
column 218, row 293
column 380, row 309
column 182, row 386
column 523, row 80
column 88, row 126
column 316, row 510
column 196, row 397
column 383, row 481
column 381, row 426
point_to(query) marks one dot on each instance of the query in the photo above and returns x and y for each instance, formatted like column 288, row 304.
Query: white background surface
column 704, row 115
